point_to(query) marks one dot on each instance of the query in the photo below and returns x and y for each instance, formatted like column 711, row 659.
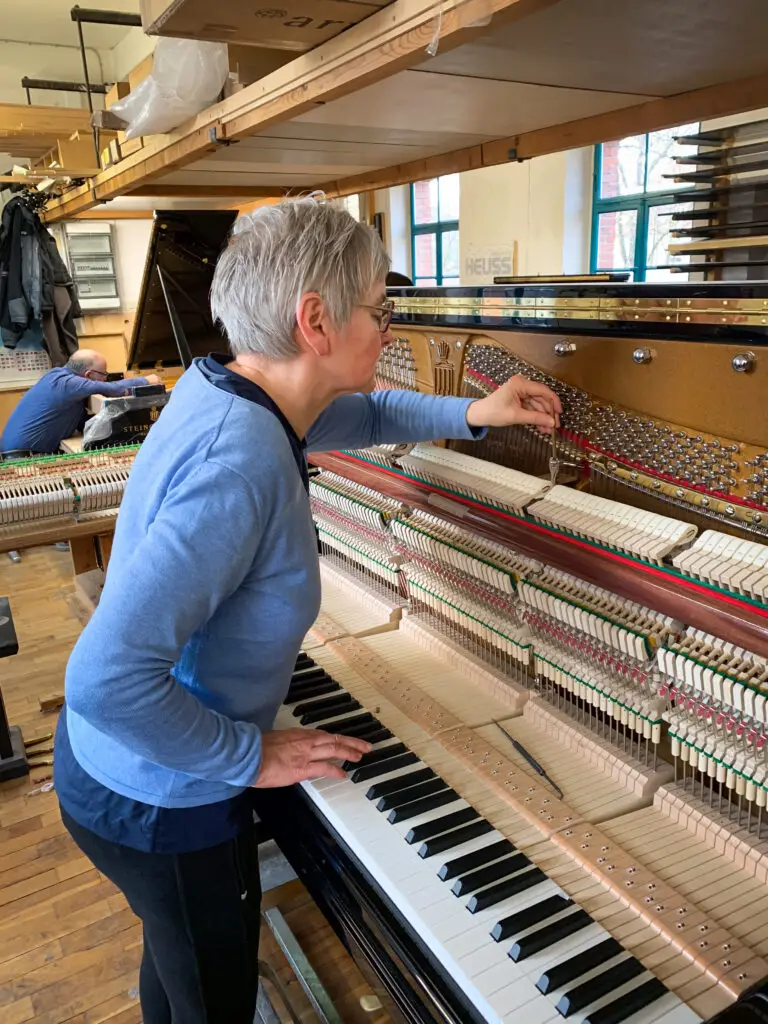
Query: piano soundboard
column 619, row 647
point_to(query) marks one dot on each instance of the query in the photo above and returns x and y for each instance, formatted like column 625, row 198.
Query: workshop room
column 384, row 512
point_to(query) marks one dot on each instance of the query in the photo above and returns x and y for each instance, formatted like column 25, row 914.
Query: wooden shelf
column 727, row 615
column 369, row 108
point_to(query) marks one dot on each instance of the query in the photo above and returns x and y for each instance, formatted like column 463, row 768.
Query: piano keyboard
column 517, row 944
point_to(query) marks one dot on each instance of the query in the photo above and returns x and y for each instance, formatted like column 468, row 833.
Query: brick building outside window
column 633, row 207
column 435, row 231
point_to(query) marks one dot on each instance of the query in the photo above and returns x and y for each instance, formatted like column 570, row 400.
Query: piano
column 173, row 317
column 558, row 648
column 173, row 320
column 76, row 495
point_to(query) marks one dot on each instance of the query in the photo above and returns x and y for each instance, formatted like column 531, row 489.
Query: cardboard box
column 250, row 63
column 118, row 91
column 137, row 75
column 296, row 25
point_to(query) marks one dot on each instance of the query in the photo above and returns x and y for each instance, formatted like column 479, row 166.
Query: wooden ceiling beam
column 714, row 101
column 650, row 116
column 210, row 191
column 386, row 42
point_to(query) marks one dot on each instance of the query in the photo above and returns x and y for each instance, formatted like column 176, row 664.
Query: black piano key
column 548, row 935
column 379, row 735
column 475, row 880
column 509, row 887
column 364, row 732
column 436, row 826
column 629, row 1003
column 313, row 717
column 404, row 796
column 601, row 985
column 338, row 700
column 383, row 754
column 364, row 773
column 448, row 840
column 357, row 731
column 563, row 974
column 417, row 807
column 476, row 859
column 317, row 689
column 303, row 657
column 302, row 672
column 297, row 685
column 308, row 675
column 510, row 926
column 350, row 726
column 305, row 669
column 414, row 778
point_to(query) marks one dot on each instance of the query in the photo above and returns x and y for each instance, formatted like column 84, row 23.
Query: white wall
column 395, row 205
column 543, row 205
column 46, row 61
column 42, row 60
column 130, row 51
column 131, row 239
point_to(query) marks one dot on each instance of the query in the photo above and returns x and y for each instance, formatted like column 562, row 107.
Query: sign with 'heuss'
column 487, row 264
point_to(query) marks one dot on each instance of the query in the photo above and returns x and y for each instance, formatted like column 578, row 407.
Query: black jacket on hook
column 35, row 285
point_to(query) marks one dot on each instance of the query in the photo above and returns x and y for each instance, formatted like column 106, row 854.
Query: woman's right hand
column 293, row 755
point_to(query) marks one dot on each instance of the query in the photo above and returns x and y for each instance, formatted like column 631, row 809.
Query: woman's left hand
column 519, row 401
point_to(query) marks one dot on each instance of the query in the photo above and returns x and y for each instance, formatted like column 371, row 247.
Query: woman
column 172, row 689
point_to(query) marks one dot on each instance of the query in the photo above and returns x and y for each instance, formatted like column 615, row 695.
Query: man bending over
column 54, row 408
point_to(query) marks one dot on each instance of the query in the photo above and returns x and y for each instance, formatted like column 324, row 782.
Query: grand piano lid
column 184, row 246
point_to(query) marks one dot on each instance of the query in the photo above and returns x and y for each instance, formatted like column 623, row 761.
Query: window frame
column 642, row 202
column 438, row 228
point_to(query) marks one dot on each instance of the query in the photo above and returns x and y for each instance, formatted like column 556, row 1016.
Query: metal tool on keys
column 531, row 760
column 554, row 461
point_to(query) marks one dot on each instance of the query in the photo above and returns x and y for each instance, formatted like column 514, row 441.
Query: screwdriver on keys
column 531, row 760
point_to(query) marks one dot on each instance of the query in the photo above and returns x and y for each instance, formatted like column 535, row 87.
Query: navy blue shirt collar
column 214, row 368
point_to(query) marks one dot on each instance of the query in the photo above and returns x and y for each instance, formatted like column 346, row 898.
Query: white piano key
column 669, row 1010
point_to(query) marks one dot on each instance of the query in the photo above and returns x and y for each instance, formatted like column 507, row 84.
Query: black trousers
column 200, row 913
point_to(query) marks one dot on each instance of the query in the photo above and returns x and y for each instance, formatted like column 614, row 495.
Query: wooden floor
column 69, row 945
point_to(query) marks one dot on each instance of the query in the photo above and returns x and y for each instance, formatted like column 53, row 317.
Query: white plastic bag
column 186, row 77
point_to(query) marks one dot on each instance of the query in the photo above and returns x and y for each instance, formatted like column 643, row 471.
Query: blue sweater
column 213, row 583
column 53, row 407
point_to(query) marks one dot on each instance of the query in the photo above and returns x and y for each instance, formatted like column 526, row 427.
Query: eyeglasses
column 385, row 312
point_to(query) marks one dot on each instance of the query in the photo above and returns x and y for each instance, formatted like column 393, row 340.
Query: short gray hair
column 79, row 364
column 279, row 253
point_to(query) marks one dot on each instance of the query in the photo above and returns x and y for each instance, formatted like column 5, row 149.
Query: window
column 352, row 205
column 632, row 210
column 435, row 231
